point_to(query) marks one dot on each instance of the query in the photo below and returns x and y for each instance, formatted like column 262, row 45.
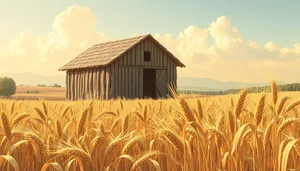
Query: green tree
column 56, row 85
column 7, row 86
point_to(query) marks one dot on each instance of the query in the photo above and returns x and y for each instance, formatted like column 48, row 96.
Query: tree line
column 284, row 87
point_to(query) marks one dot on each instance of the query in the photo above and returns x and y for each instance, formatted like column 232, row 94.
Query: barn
column 138, row 67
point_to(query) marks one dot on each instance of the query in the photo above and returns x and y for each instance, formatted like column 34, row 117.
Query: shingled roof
column 105, row 53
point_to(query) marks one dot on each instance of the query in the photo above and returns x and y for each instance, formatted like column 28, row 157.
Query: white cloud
column 272, row 47
column 230, row 57
column 73, row 32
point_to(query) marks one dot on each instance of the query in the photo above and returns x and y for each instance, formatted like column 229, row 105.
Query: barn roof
column 105, row 53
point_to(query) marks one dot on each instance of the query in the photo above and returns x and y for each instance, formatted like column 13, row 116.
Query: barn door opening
column 149, row 83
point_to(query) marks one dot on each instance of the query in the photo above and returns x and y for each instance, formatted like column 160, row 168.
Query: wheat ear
column 292, row 105
column 274, row 89
column 19, row 118
column 267, row 134
column 260, row 109
column 240, row 103
column 286, row 123
column 174, row 140
column 82, row 122
column 6, row 125
column 281, row 104
column 187, row 110
column 40, row 113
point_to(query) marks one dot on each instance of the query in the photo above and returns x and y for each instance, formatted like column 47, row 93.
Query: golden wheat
column 240, row 103
column 274, row 89
column 212, row 133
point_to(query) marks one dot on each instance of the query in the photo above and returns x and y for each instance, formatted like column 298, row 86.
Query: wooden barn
column 138, row 67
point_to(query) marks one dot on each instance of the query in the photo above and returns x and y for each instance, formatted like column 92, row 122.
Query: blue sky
column 261, row 21
column 245, row 41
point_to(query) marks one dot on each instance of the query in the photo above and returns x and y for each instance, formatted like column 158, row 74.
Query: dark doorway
column 149, row 83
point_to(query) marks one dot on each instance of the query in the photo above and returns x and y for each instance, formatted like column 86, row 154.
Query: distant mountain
column 208, row 84
column 34, row 79
column 184, row 83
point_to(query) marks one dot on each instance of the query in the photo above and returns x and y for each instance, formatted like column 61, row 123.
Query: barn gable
column 105, row 53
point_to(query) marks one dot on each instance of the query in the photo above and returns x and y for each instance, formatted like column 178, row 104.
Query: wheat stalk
column 95, row 142
column 59, row 129
column 82, row 122
column 40, row 113
column 65, row 111
column 292, row 105
column 45, row 109
column 274, row 89
column 39, row 142
column 114, row 125
column 281, row 104
column 6, row 125
column 260, row 109
column 143, row 158
column 90, row 111
column 76, row 153
column 200, row 110
column 173, row 139
column 187, row 110
column 286, row 123
column 12, row 109
column 125, row 123
column 111, row 146
column 19, row 118
column 267, row 134
column 145, row 114
column 240, row 103
column 178, row 123
column 230, row 118
column 131, row 143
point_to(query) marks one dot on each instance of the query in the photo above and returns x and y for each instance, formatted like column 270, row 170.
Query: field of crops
column 48, row 93
column 238, row 132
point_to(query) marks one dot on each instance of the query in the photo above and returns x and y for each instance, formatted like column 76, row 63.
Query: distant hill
column 34, row 79
column 184, row 83
column 208, row 84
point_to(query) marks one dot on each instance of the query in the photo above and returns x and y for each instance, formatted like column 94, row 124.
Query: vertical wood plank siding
column 67, row 85
column 72, row 84
column 98, row 75
column 95, row 83
column 107, row 83
column 102, row 84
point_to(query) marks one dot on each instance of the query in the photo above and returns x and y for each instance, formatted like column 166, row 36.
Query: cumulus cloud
column 73, row 31
column 229, row 57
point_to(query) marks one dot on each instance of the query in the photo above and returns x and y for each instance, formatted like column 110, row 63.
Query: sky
column 243, row 41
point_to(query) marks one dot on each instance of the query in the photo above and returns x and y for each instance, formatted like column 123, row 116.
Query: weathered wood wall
column 91, row 83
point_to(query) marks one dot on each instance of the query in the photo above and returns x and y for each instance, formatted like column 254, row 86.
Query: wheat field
column 236, row 132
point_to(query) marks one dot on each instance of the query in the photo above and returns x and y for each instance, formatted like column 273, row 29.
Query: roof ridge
column 119, row 40
column 105, row 53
